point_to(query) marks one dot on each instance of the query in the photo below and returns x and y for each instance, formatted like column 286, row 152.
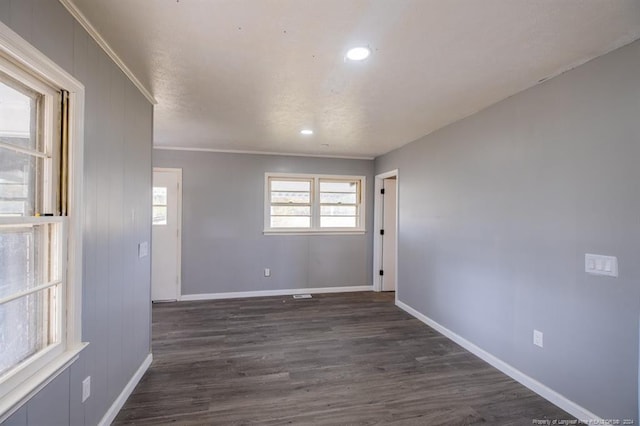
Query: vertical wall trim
column 377, row 225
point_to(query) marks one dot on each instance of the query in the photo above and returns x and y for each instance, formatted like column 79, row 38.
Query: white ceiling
column 249, row 74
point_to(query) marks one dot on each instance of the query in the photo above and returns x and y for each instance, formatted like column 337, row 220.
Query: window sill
column 314, row 232
column 15, row 399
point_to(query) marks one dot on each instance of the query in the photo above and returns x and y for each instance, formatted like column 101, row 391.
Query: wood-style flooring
column 335, row 359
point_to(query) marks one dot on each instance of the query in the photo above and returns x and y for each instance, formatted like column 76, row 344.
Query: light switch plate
column 86, row 388
column 537, row 338
column 597, row 264
column 143, row 249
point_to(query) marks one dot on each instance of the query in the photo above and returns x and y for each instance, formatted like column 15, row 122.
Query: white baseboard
column 263, row 293
column 547, row 393
column 117, row 405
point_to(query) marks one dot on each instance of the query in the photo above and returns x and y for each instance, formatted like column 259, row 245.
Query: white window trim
column 315, row 206
column 27, row 57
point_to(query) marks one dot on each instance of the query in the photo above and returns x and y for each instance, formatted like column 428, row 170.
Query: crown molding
column 283, row 154
column 82, row 20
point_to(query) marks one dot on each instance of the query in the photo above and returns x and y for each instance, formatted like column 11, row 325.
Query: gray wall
column 117, row 194
column 223, row 246
column 497, row 212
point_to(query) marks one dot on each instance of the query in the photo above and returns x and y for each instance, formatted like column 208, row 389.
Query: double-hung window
column 307, row 204
column 39, row 309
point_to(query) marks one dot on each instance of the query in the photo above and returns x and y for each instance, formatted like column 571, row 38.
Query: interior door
column 165, row 260
column 389, row 238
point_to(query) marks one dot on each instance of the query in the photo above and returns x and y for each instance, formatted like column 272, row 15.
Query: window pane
column 160, row 195
column 290, row 222
column 291, row 210
column 338, row 210
column 12, row 208
column 338, row 222
column 337, row 198
column 323, row 202
column 31, row 252
column 159, row 215
column 25, row 327
column 291, row 197
column 328, row 186
column 23, row 256
column 17, row 183
column 18, row 117
column 290, row 185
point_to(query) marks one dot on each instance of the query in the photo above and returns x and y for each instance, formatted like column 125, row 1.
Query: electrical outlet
column 267, row 272
column 537, row 338
column 86, row 388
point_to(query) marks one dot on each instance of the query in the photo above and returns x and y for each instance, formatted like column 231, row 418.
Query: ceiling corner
column 82, row 20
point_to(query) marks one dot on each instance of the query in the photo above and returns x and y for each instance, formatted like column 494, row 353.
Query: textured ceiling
column 249, row 74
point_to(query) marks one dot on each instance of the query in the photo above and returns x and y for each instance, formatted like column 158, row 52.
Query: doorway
column 166, row 235
column 386, row 232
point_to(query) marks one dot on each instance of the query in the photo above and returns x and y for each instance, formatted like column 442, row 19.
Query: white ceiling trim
column 283, row 154
column 82, row 20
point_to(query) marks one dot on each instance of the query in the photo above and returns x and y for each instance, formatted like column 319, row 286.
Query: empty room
column 354, row 212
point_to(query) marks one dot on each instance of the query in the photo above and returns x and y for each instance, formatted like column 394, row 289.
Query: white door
column 389, row 238
column 165, row 260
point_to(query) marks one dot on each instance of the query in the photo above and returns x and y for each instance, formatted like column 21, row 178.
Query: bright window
column 297, row 203
column 159, row 205
column 339, row 203
column 32, row 229
column 290, row 203
column 39, row 284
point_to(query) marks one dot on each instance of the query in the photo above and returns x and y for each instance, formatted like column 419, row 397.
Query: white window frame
column 315, row 228
column 19, row 57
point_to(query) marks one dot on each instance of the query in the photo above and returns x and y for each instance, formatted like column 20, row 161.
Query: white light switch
column 86, row 388
column 538, row 338
column 597, row 264
column 143, row 249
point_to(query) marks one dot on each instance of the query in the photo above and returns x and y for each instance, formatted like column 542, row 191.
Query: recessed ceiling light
column 306, row 132
column 358, row 53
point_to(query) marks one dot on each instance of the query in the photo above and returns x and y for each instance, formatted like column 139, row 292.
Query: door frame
column 178, row 172
column 377, row 225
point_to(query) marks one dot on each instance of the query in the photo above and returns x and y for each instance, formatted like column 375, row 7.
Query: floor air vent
column 302, row 296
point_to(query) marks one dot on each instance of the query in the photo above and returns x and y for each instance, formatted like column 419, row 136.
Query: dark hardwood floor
column 351, row 358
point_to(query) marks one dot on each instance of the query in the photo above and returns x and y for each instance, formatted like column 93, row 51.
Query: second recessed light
column 358, row 53
column 306, row 132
